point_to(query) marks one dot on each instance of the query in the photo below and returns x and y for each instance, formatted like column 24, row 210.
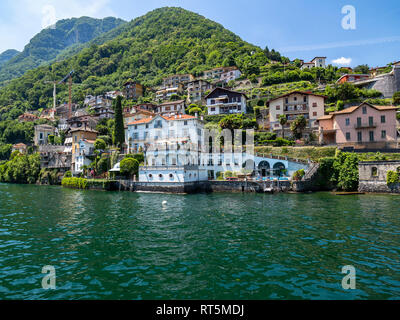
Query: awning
column 117, row 168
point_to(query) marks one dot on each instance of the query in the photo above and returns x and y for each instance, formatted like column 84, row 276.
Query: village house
column 293, row 105
column 352, row 78
column 167, row 92
column 84, row 155
column 21, row 147
column 138, row 115
column 361, row 127
column 317, row 62
column 133, row 90
column 197, row 89
column 175, row 80
column 162, row 129
column 151, row 107
column 27, row 117
column 224, row 74
column 373, row 176
column 42, row 133
column 171, row 108
column 54, row 157
column 77, row 134
column 224, row 101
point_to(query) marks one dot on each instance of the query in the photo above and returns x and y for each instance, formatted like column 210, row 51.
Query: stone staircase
column 311, row 172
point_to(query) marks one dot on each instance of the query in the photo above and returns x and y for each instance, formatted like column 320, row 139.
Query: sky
column 348, row 33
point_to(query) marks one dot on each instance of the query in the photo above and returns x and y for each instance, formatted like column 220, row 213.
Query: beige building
column 42, row 133
column 293, row 105
column 196, row 90
column 175, row 80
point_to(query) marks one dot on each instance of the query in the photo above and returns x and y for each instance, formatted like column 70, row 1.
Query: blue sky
column 297, row 28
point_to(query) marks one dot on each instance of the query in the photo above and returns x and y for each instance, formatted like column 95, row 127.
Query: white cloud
column 27, row 17
column 342, row 61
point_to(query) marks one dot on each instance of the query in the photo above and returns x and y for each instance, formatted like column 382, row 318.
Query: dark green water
column 220, row 246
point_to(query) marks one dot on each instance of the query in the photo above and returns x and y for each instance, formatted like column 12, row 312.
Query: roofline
column 297, row 91
column 242, row 93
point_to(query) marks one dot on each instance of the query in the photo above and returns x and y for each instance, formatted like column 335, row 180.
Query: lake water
column 220, row 246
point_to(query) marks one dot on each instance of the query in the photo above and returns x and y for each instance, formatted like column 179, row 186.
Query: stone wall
column 373, row 175
column 388, row 84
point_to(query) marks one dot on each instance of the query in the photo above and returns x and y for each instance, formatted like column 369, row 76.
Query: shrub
column 299, row 174
column 68, row 174
column 100, row 144
column 77, row 183
column 392, row 178
column 228, row 174
column 129, row 167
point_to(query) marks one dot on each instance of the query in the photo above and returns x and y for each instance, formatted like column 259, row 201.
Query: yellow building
column 78, row 134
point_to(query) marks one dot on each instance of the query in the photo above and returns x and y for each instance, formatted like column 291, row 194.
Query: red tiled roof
column 352, row 109
column 299, row 92
column 178, row 117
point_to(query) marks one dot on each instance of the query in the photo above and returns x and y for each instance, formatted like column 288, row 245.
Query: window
column 314, row 105
column 305, row 99
column 348, row 136
column 364, row 110
column 185, row 123
column 147, row 126
column 359, row 136
column 383, row 119
column 383, row 134
column 278, row 107
column 371, row 136
column 374, row 172
column 371, row 121
column 358, row 122
column 314, row 114
column 295, row 98
column 347, row 121
column 212, row 101
column 212, row 109
column 287, row 100
column 135, row 127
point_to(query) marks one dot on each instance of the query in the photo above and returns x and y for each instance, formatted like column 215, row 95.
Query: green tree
column 297, row 127
column 129, row 167
column 119, row 131
column 283, row 121
column 100, row 144
column 362, row 69
column 396, row 98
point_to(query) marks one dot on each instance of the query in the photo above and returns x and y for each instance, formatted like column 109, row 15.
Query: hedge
column 77, row 183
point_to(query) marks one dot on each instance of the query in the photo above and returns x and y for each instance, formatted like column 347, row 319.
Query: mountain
column 7, row 55
column 164, row 41
column 52, row 42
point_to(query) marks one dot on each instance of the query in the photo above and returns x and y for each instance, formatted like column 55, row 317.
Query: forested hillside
column 51, row 42
column 164, row 41
column 7, row 55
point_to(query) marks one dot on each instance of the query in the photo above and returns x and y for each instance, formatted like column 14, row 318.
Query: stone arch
column 264, row 168
column 279, row 167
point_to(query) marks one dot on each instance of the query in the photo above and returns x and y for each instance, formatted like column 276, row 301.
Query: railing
column 365, row 125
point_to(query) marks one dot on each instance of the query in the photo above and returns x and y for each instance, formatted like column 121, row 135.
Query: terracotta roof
column 352, row 109
column 327, row 117
column 19, row 145
column 172, row 102
column 148, row 120
column 299, row 92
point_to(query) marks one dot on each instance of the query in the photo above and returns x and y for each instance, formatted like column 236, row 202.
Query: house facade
column 78, row 135
column 196, row 90
column 84, row 155
column 174, row 80
column 317, row 62
column 224, row 101
column 363, row 126
column 133, row 90
column 171, row 108
column 293, row 105
column 222, row 73
column 42, row 133
column 167, row 92
column 144, row 133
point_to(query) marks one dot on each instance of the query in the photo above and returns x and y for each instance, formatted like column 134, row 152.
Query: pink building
column 363, row 126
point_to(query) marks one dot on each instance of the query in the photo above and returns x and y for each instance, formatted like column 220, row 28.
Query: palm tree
column 283, row 122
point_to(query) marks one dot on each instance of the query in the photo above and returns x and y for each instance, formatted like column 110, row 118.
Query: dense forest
column 51, row 42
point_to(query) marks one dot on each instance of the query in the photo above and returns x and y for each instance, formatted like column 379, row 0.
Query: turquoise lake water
column 219, row 246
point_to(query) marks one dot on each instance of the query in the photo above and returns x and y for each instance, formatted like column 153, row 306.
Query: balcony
column 370, row 125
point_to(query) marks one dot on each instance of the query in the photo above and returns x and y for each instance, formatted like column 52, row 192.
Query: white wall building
column 224, row 101
column 317, row 62
column 85, row 150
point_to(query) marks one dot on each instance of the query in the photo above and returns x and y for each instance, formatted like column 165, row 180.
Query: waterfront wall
column 373, row 176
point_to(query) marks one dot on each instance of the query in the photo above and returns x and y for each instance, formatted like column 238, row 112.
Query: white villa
column 224, row 101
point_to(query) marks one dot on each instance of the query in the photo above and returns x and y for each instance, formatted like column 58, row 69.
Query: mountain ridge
column 51, row 42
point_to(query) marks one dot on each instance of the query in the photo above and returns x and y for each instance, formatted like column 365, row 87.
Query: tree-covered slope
column 162, row 42
column 52, row 42
column 7, row 55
